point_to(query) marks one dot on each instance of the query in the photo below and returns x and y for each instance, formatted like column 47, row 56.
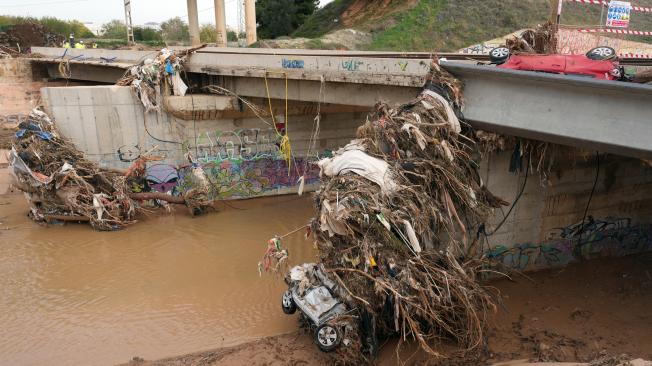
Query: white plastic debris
column 352, row 159
column 412, row 236
column 450, row 113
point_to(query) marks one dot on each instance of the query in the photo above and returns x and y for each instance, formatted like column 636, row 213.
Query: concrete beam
column 193, row 22
column 608, row 116
column 220, row 23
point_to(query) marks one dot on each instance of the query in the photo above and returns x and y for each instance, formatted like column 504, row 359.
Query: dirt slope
column 447, row 25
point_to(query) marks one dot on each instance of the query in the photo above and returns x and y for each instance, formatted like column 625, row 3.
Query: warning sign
column 618, row 14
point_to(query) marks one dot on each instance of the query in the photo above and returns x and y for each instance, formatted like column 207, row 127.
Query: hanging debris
column 541, row 40
column 392, row 217
column 156, row 77
column 63, row 185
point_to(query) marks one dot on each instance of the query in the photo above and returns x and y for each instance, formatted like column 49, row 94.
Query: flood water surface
column 165, row 286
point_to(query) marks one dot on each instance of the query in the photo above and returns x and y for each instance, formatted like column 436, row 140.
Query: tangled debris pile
column 151, row 79
column 393, row 212
column 541, row 40
column 62, row 184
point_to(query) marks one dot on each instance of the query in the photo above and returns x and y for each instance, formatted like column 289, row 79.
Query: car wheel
column 601, row 53
column 287, row 303
column 499, row 55
column 328, row 337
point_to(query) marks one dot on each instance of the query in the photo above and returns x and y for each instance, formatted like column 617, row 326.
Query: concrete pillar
column 220, row 23
column 193, row 23
column 250, row 21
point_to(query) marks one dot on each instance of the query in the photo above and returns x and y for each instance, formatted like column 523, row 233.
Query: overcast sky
column 100, row 11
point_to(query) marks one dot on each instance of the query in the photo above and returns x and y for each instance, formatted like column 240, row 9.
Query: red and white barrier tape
column 642, row 9
column 634, row 55
column 616, row 31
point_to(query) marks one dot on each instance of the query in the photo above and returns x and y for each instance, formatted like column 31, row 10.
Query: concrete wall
column 543, row 229
column 238, row 151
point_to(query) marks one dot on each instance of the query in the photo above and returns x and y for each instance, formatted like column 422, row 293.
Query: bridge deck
column 609, row 116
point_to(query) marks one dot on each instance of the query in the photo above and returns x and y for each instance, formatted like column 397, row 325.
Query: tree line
column 275, row 18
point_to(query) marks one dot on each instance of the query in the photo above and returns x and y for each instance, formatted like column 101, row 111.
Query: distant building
column 96, row 28
column 152, row 25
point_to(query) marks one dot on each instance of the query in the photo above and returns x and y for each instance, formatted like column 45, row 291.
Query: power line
column 46, row 3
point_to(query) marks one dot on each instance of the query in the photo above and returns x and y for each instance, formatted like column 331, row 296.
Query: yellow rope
column 285, row 148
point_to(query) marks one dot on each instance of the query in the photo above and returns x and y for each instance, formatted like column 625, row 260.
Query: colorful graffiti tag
column 240, row 163
column 600, row 238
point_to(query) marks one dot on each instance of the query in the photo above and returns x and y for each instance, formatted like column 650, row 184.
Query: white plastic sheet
column 352, row 159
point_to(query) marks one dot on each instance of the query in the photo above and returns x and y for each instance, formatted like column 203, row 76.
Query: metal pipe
column 193, row 23
column 220, row 23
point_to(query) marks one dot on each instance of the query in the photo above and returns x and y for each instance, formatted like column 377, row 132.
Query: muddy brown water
column 166, row 286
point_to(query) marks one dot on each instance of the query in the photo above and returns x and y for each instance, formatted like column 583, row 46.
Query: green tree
column 144, row 34
column 277, row 18
column 61, row 27
column 208, row 33
column 175, row 30
column 115, row 29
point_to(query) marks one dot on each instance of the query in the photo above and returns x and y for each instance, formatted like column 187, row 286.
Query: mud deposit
column 163, row 287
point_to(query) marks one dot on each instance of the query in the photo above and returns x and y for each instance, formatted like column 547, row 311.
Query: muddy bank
column 575, row 314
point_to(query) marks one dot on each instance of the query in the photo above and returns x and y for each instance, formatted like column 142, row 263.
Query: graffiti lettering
column 352, row 65
column 402, row 65
column 292, row 64
column 12, row 120
column 600, row 238
column 128, row 153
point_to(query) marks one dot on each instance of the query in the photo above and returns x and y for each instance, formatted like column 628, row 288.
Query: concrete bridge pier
column 193, row 22
column 250, row 21
column 220, row 23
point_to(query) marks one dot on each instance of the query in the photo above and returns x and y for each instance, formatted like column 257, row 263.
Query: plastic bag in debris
column 19, row 166
column 178, row 86
column 353, row 159
column 332, row 219
column 450, row 113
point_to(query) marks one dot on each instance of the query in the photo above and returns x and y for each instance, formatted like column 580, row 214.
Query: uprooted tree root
column 397, row 242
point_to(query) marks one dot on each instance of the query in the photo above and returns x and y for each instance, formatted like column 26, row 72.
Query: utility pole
column 241, row 23
column 130, row 27
column 555, row 17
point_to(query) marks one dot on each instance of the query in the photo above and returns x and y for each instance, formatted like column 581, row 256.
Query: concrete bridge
column 609, row 116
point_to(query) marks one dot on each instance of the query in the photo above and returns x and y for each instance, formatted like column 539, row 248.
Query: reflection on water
column 166, row 286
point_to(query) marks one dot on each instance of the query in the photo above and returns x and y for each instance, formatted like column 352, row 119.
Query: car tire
column 328, row 337
column 287, row 303
column 601, row 53
column 499, row 55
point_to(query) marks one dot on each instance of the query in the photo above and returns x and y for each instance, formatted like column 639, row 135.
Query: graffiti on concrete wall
column 244, row 144
column 600, row 238
column 352, row 65
column 292, row 64
column 240, row 163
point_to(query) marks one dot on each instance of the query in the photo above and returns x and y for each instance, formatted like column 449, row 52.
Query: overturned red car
column 599, row 63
